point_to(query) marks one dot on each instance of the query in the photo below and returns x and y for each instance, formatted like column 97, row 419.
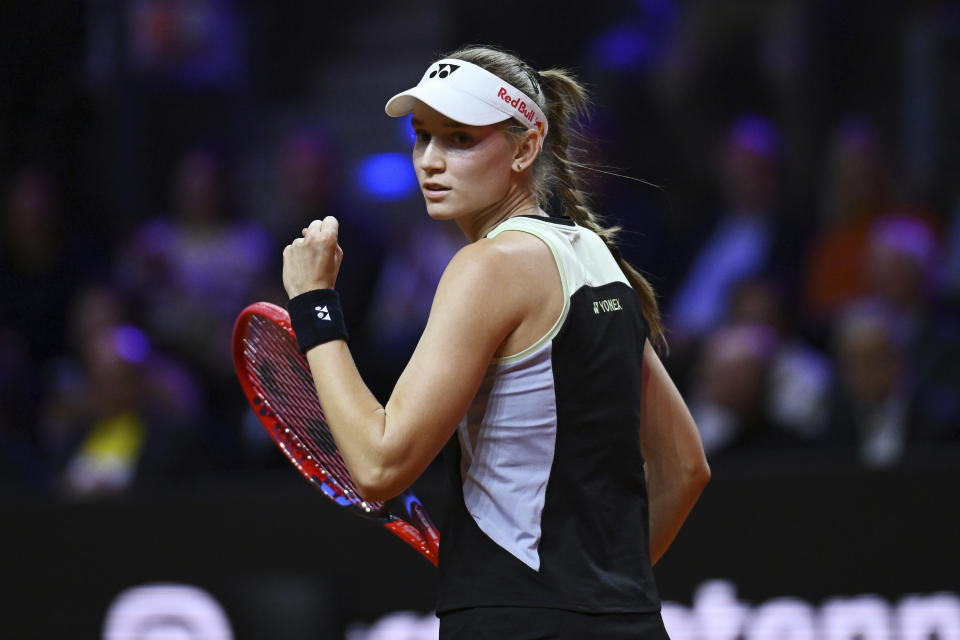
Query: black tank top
column 549, row 506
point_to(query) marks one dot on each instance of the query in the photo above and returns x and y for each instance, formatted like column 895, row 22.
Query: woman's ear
column 527, row 150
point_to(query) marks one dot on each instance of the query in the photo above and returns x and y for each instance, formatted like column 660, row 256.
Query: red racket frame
column 419, row 532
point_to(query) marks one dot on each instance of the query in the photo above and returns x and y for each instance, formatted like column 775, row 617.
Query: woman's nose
column 432, row 159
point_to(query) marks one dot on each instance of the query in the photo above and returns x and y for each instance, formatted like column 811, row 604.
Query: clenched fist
column 313, row 261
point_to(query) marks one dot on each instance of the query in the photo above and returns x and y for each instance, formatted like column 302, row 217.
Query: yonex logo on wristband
column 444, row 70
column 317, row 317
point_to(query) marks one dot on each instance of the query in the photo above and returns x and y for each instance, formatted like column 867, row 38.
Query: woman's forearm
column 671, row 497
column 676, row 467
column 356, row 419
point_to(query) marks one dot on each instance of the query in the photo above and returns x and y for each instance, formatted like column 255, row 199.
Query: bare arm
column 479, row 302
column 676, row 467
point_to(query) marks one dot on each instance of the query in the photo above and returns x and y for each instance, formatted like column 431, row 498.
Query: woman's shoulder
column 509, row 259
column 515, row 250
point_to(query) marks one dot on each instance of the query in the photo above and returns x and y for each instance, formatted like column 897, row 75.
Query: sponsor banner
column 776, row 552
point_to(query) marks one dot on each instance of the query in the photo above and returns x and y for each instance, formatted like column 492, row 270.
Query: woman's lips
column 434, row 191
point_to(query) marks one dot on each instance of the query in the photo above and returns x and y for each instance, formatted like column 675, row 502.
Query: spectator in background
column 743, row 241
column 117, row 413
column 799, row 377
column 858, row 189
column 401, row 300
column 294, row 180
column 897, row 351
column 311, row 188
column 751, row 53
column 728, row 397
column 301, row 179
column 757, row 386
column 168, row 73
column 195, row 44
column 41, row 263
column 903, row 261
column 193, row 271
column 190, row 273
column 900, row 269
column 870, row 412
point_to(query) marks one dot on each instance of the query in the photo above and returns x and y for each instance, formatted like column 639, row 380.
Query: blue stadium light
column 386, row 176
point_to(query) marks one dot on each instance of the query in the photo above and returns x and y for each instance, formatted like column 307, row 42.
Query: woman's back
column 551, row 505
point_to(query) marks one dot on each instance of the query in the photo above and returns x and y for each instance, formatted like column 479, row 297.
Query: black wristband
column 317, row 317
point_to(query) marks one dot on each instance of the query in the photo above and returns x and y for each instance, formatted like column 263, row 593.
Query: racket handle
column 424, row 536
column 409, row 534
column 422, row 521
column 413, row 510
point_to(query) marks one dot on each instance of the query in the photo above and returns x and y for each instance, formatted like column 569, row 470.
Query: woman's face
column 462, row 170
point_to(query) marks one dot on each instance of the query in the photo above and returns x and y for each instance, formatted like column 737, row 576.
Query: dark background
column 156, row 155
column 285, row 563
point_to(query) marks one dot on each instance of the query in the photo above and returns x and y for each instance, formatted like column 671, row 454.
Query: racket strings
column 282, row 378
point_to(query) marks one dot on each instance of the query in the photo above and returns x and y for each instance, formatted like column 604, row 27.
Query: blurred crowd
column 842, row 336
column 805, row 240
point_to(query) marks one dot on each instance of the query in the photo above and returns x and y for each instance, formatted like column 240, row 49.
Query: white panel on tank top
column 506, row 464
column 508, row 436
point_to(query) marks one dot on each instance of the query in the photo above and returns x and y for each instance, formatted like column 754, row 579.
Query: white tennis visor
column 469, row 94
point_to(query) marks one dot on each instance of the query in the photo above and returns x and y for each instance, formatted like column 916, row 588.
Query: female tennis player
column 578, row 460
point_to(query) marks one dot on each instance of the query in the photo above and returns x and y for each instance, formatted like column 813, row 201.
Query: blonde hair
column 557, row 170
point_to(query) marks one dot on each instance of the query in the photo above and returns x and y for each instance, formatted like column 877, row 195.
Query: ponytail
column 566, row 106
column 556, row 172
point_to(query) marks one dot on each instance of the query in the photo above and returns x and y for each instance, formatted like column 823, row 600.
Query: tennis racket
column 276, row 379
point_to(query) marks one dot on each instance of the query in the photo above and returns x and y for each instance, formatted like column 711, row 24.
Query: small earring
column 519, row 166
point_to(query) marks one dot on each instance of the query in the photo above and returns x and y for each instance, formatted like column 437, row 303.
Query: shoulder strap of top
column 551, row 235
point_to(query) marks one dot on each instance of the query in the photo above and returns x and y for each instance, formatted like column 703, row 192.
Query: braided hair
column 557, row 170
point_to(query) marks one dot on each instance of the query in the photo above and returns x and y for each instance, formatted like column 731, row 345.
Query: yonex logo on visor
column 470, row 94
column 444, row 70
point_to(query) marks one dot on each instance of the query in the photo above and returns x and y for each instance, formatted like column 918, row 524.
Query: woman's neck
column 477, row 226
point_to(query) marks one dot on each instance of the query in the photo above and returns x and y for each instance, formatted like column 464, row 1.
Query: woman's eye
column 459, row 137
column 422, row 136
